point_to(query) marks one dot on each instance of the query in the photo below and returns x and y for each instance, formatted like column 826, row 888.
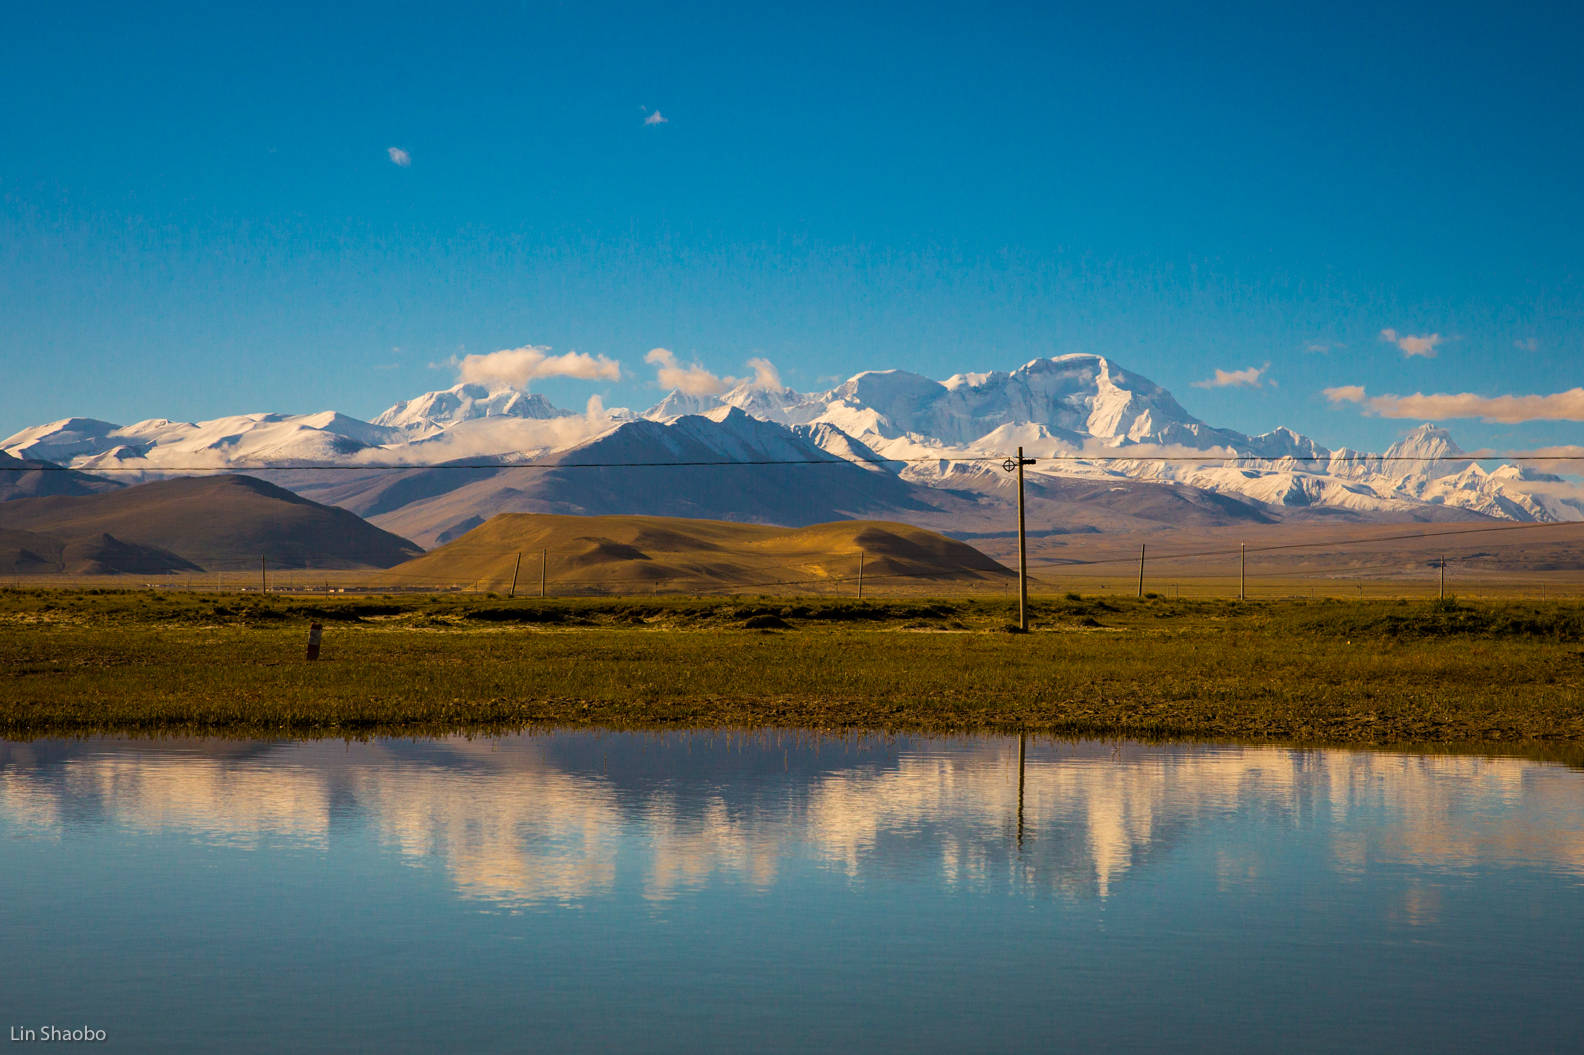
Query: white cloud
column 1411, row 345
column 1561, row 453
column 1248, row 377
column 765, row 374
column 656, row 118
column 1508, row 410
column 399, row 156
column 518, row 366
column 1527, row 344
column 691, row 379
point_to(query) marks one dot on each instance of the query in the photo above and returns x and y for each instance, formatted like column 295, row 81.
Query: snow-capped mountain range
column 1097, row 421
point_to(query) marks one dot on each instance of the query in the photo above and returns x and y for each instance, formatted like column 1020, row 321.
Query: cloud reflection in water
column 545, row 819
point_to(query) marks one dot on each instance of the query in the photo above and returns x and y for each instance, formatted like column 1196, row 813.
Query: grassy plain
column 1381, row 672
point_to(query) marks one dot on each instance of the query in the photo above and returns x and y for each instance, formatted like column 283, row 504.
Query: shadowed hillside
column 643, row 553
column 29, row 478
column 31, row 553
column 210, row 523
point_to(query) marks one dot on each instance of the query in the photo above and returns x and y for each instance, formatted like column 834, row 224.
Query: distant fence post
column 315, row 631
column 1141, row 570
column 544, row 559
column 860, row 574
column 515, row 567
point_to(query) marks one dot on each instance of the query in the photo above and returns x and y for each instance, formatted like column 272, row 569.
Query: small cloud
column 1322, row 347
column 1527, row 344
column 399, row 156
column 1411, row 345
column 691, row 379
column 1345, row 394
column 1507, row 410
column 765, row 375
column 653, row 117
column 1248, row 377
column 518, row 366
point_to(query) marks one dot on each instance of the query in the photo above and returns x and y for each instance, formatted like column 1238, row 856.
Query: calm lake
column 592, row 891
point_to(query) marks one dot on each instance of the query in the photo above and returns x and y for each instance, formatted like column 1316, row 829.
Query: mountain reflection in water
column 565, row 817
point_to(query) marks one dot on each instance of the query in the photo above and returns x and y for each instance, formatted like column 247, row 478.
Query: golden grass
column 1376, row 672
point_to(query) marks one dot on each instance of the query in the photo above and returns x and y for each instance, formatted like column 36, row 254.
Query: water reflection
column 562, row 818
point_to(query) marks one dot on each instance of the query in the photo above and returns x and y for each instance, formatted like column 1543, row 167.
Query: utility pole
column 1009, row 465
column 515, row 568
column 544, row 559
column 1243, row 571
column 860, row 574
column 263, row 574
column 1443, row 576
column 1141, row 569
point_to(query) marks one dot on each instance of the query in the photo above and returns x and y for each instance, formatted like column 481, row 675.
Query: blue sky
column 200, row 213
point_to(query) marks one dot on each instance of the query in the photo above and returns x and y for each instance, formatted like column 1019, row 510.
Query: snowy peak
column 832, row 440
column 782, row 404
column 1073, row 398
column 435, row 411
column 678, row 403
column 1285, row 443
column 1426, row 453
column 724, row 434
column 60, row 440
column 1425, row 443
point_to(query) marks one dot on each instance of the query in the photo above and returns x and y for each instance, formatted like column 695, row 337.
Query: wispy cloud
column 1412, row 345
column 518, row 366
column 690, row 379
column 654, row 117
column 765, row 374
column 1248, row 377
column 1322, row 347
column 1508, row 410
column 1560, row 453
column 1527, row 344
column 399, row 156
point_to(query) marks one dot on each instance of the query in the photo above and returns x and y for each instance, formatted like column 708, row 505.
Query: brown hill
column 211, row 523
column 30, row 553
column 642, row 553
column 26, row 478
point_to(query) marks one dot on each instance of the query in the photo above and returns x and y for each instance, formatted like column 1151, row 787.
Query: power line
column 1266, row 463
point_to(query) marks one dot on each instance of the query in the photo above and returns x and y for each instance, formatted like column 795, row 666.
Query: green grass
column 156, row 662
